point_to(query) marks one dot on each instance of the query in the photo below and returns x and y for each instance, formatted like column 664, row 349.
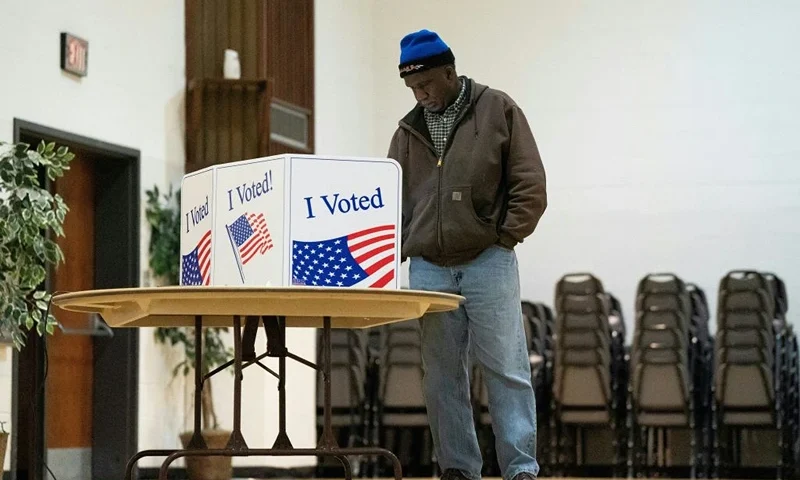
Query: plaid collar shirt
column 440, row 124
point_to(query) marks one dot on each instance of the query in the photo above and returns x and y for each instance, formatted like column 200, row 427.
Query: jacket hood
column 416, row 117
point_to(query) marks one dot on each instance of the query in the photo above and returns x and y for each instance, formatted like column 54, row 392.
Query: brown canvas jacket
column 488, row 188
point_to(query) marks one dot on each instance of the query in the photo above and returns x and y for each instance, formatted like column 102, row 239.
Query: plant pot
column 3, row 444
column 209, row 468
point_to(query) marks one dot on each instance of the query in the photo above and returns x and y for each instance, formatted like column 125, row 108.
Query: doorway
column 76, row 392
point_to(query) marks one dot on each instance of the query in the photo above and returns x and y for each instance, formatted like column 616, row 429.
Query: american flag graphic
column 250, row 235
column 196, row 265
column 362, row 259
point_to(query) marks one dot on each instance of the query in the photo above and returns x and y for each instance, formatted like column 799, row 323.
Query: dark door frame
column 116, row 359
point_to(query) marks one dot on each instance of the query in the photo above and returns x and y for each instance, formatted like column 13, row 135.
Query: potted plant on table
column 163, row 215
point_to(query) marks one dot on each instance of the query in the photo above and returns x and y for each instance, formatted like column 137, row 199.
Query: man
column 473, row 188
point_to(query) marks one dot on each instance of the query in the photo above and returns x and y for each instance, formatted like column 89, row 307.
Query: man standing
column 473, row 187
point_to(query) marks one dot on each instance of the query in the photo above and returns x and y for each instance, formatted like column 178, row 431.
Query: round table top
column 302, row 306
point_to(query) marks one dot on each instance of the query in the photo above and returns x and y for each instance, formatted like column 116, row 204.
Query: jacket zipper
column 439, row 184
column 439, row 167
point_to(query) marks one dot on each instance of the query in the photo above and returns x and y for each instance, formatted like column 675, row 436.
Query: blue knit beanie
column 423, row 50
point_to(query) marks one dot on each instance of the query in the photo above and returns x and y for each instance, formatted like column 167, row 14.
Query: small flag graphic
column 362, row 259
column 196, row 265
column 250, row 236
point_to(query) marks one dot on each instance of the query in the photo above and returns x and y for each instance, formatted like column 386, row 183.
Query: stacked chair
column 703, row 373
column 402, row 422
column 664, row 387
column 677, row 399
column 534, row 320
column 620, row 357
column 588, row 400
column 537, row 319
column 546, row 425
column 756, row 373
column 348, row 396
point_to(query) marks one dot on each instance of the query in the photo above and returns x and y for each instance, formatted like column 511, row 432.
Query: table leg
column 145, row 453
column 340, row 453
column 328, row 441
column 236, row 441
column 282, row 442
column 348, row 470
column 197, row 440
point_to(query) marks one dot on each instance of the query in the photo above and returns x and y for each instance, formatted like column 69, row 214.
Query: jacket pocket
column 462, row 229
column 420, row 236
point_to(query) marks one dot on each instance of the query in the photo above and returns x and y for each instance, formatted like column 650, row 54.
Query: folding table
column 276, row 308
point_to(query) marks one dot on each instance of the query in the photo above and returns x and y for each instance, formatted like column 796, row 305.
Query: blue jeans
column 490, row 322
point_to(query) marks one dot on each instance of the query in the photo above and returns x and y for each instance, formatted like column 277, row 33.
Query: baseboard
column 179, row 473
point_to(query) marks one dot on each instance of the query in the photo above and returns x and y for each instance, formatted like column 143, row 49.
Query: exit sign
column 74, row 54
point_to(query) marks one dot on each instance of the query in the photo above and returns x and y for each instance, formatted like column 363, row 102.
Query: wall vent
column 289, row 125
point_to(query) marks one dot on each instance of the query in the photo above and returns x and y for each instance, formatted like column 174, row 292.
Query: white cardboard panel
column 293, row 220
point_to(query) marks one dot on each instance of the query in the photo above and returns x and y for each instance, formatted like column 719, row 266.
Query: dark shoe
column 452, row 474
column 524, row 476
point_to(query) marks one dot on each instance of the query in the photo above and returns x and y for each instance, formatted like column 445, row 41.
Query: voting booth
column 288, row 220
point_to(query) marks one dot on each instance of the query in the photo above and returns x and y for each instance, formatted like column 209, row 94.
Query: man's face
column 432, row 88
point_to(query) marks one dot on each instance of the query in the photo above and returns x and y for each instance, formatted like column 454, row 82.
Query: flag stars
column 331, row 262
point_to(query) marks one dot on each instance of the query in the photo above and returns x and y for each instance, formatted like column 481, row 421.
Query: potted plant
column 163, row 215
column 28, row 215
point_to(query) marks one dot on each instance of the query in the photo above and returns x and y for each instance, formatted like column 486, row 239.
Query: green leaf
column 51, row 252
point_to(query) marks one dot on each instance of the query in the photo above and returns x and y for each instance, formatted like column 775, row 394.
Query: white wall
column 133, row 96
column 666, row 128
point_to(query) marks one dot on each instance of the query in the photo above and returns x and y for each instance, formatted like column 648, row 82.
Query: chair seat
column 584, row 417
column 748, row 418
column 663, row 419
